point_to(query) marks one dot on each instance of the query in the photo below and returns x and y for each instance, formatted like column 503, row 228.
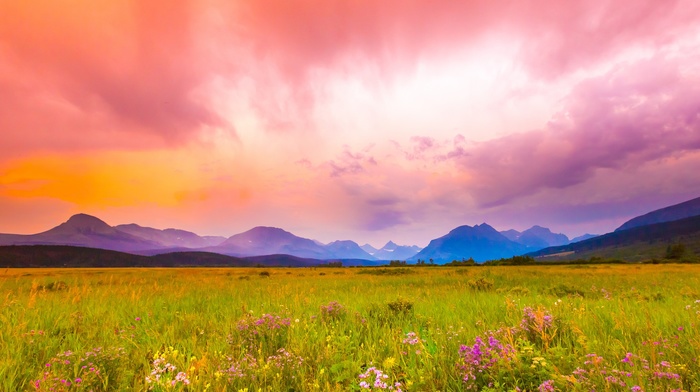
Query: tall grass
column 608, row 327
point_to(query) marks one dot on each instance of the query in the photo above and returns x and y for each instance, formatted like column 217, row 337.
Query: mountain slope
column 174, row 238
column 391, row 251
column 481, row 242
column 634, row 244
column 348, row 250
column 583, row 237
column 667, row 214
column 369, row 249
column 511, row 234
column 541, row 237
column 261, row 240
column 536, row 237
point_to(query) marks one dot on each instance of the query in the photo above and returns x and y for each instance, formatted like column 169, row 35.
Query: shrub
column 563, row 290
column 400, row 306
column 481, row 284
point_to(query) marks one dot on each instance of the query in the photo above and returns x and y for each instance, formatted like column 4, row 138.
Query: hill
column 58, row 256
column 675, row 212
column 634, row 244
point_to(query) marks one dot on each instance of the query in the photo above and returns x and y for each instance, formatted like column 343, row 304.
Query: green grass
column 333, row 324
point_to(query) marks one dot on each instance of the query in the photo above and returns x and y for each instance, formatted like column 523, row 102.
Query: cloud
column 634, row 114
column 306, row 42
column 349, row 163
column 141, row 73
column 99, row 74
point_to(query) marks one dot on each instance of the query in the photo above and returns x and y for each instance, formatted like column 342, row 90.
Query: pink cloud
column 87, row 74
column 349, row 162
column 555, row 38
column 634, row 114
column 140, row 67
column 566, row 36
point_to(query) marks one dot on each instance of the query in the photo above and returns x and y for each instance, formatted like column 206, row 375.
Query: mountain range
column 83, row 230
column 638, row 238
column 391, row 251
column 638, row 243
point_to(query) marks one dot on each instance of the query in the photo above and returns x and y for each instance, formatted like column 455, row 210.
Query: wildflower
column 333, row 310
column 380, row 380
column 411, row 339
column 628, row 359
column 481, row 356
column 547, row 386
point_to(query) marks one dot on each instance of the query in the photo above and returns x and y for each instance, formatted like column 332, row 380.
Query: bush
column 481, row 284
column 563, row 290
column 675, row 252
column 400, row 306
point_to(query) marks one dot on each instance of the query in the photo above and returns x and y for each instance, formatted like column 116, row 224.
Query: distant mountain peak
column 391, row 245
column 541, row 237
column 369, row 249
column 273, row 228
column 81, row 218
column 84, row 223
column 481, row 242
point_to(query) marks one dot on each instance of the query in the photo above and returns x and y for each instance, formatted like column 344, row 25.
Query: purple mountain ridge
column 583, row 237
column 83, row 230
column 481, row 242
column 679, row 211
column 171, row 237
column 261, row 240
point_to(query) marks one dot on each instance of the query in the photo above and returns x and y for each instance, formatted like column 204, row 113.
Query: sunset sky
column 365, row 120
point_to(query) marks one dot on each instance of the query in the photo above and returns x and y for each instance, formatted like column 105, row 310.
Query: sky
column 364, row 120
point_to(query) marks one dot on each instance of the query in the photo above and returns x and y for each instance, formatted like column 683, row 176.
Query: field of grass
column 531, row 328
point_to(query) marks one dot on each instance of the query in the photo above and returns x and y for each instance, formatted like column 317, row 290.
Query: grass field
column 534, row 328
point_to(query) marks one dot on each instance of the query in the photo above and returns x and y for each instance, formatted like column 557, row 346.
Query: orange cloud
column 106, row 179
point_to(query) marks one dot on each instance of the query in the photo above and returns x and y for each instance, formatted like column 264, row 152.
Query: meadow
column 507, row 328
